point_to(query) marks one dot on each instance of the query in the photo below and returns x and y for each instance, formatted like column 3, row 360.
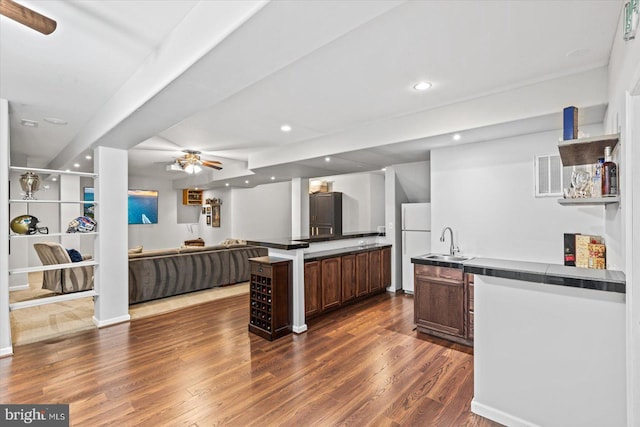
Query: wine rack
column 270, row 297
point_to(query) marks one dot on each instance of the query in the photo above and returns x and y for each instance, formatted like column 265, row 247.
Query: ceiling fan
column 28, row 17
column 192, row 163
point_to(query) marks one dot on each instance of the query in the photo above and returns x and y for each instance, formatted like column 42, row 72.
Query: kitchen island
column 309, row 248
column 538, row 327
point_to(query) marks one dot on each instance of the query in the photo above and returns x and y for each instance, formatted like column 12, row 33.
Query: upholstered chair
column 64, row 280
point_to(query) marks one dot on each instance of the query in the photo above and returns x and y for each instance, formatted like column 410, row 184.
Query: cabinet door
column 386, row 267
column 311, row 288
column 439, row 305
column 362, row 274
column 375, row 270
column 348, row 277
column 331, row 283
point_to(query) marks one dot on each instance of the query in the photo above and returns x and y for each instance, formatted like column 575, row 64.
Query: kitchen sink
column 451, row 258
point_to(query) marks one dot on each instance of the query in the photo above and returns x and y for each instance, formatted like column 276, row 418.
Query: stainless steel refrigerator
column 416, row 238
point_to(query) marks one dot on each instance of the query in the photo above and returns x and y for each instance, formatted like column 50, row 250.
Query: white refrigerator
column 416, row 238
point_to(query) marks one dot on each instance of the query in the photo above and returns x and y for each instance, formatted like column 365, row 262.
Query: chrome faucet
column 452, row 249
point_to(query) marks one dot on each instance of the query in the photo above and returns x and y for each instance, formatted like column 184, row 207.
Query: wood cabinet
column 469, row 288
column 270, row 297
column 336, row 280
column 439, row 302
column 348, row 277
column 191, row 197
column 311, row 288
column 331, row 282
column 375, row 270
column 325, row 214
column 362, row 274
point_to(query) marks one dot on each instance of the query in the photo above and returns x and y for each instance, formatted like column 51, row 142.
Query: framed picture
column 216, row 215
column 208, row 219
column 88, row 196
column 208, row 208
column 204, row 210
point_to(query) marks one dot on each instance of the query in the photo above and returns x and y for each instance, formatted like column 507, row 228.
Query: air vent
column 548, row 176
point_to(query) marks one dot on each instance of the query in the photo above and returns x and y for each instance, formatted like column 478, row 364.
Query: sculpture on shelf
column 30, row 183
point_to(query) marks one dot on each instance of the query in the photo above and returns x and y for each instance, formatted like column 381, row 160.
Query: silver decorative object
column 30, row 183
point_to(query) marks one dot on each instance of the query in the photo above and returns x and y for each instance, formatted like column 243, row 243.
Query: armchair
column 64, row 280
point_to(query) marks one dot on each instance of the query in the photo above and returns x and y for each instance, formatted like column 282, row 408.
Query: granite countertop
column 289, row 243
column 551, row 274
column 312, row 256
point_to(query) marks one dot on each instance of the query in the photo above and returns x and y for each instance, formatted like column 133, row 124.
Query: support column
column 6, row 347
column 112, row 273
column 299, row 207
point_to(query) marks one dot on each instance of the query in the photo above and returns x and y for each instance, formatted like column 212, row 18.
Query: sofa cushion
column 136, row 250
column 154, row 253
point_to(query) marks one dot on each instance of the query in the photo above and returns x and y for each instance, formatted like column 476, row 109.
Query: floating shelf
column 584, row 151
column 587, row 201
column 52, row 267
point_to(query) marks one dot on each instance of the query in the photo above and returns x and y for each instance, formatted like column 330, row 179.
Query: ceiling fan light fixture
column 285, row 128
column 192, row 168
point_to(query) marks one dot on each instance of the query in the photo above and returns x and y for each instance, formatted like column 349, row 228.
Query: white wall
column 362, row 200
column 485, row 192
column 261, row 212
column 415, row 179
column 214, row 235
column 167, row 233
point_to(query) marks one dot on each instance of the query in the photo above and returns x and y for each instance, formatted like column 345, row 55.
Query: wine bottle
column 609, row 174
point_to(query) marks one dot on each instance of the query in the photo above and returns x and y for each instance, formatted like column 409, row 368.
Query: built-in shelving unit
column 191, row 197
column 23, row 270
column 584, row 151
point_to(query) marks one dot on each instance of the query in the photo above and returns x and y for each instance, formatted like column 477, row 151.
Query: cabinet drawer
column 443, row 272
column 261, row 269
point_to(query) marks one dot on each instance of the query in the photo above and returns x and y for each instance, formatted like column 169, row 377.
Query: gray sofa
column 162, row 273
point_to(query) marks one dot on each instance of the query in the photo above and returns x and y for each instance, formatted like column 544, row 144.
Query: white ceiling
column 222, row 77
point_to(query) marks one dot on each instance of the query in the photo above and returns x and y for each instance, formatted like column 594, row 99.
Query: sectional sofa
column 167, row 272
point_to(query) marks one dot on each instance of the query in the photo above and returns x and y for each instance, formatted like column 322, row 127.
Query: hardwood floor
column 362, row 365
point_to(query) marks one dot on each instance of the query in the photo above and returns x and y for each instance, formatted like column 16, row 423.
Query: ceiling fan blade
column 28, row 17
column 212, row 164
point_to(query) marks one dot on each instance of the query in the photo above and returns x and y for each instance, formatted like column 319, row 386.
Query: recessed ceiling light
column 88, row 157
column 54, row 179
column 76, row 165
column 383, row 169
column 422, row 86
column 285, row 128
column 29, row 123
column 327, row 159
column 55, row 121
column 246, row 182
column 273, row 178
column 226, row 184
column 67, row 170
column 456, row 137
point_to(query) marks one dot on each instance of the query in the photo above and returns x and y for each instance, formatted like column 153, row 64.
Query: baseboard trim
column 109, row 322
column 18, row 287
column 299, row 329
column 498, row 415
column 6, row 351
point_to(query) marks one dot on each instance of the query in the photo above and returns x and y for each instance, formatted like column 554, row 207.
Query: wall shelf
column 590, row 201
column 52, row 171
column 52, row 267
column 584, row 151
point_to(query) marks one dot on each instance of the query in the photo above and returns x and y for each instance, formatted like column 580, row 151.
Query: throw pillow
column 136, row 250
column 74, row 255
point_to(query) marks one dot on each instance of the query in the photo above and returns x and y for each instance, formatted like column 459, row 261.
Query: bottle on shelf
column 609, row 175
column 597, row 179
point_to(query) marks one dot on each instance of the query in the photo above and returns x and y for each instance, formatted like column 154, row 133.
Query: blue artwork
column 143, row 206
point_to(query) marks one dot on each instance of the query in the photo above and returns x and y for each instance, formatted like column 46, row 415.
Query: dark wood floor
column 363, row 365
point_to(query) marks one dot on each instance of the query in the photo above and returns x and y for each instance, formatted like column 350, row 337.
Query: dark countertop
column 313, row 256
column 551, row 274
column 288, row 243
